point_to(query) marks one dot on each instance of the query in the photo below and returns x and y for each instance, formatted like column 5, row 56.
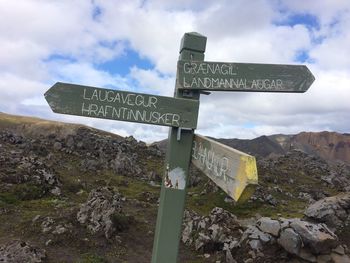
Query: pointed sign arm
column 232, row 170
column 112, row 104
column 249, row 77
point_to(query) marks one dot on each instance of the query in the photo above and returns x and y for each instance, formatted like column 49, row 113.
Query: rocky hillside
column 260, row 147
column 328, row 145
column 71, row 193
column 331, row 146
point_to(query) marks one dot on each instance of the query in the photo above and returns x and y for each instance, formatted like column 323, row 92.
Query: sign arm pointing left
column 112, row 104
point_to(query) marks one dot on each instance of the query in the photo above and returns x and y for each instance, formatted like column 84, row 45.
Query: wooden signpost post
column 230, row 169
column 178, row 158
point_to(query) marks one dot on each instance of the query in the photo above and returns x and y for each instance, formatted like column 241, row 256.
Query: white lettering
column 211, row 161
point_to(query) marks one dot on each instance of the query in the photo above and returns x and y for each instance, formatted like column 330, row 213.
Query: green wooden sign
column 122, row 105
column 220, row 76
column 230, row 169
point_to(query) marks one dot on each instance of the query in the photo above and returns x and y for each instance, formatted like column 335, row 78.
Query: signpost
column 243, row 77
column 230, row 169
column 122, row 105
column 178, row 158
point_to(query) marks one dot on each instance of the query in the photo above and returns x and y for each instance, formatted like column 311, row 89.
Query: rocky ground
column 88, row 196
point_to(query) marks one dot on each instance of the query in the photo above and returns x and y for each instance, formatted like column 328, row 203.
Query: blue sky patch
column 249, row 125
column 308, row 20
column 122, row 64
column 302, row 56
column 96, row 12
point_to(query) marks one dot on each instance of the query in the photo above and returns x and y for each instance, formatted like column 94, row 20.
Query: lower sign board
column 122, row 105
column 230, row 169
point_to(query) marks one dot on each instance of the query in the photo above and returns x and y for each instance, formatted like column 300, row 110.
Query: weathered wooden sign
column 122, row 105
column 220, row 76
column 230, row 169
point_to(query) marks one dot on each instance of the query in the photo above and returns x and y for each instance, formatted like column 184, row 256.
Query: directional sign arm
column 249, row 77
column 111, row 104
column 230, row 169
column 62, row 98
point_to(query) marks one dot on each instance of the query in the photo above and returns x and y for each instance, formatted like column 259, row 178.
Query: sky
column 134, row 46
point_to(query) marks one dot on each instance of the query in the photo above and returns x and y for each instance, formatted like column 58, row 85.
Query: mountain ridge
column 328, row 145
column 34, row 126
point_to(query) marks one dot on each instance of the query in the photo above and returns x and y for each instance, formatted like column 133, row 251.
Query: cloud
column 86, row 74
column 227, row 19
column 327, row 11
column 47, row 41
column 14, row 89
column 324, row 107
column 152, row 81
column 333, row 52
column 154, row 33
column 271, row 45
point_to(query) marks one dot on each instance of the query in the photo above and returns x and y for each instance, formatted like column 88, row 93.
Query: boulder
column 340, row 258
column 97, row 213
column 301, row 239
column 219, row 230
column 269, row 225
column 59, row 230
column 57, row 146
column 125, row 165
column 324, row 258
column 305, row 254
column 316, row 236
column 254, row 233
column 90, row 165
column 70, row 141
column 333, row 211
column 26, row 170
column 47, row 224
column 17, row 251
column 290, row 241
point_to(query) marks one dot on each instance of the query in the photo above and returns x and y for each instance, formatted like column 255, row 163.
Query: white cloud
column 333, row 52
column 152, row 81
column 154, row 33
column 270, row 45
column 326, row 11
column 231, row 19
column 14, row 89
column 86, row 74
column 42, row 42
column 195, row 5
column 324, row 107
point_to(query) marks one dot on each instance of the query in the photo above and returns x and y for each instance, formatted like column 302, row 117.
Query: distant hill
column 262, row 146
column 36, row 127
column 331, row 146
column 327, row 145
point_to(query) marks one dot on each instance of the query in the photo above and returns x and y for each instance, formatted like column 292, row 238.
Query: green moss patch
column 91, row 258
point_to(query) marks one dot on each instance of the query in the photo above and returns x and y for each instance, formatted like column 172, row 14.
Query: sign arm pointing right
column 248, row 77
